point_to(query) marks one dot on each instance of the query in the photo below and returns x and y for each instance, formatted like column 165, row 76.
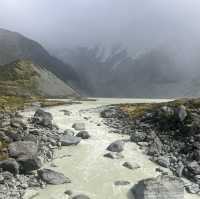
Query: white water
column 90, row 172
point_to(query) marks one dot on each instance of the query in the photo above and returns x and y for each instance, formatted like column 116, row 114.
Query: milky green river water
column 90, row 172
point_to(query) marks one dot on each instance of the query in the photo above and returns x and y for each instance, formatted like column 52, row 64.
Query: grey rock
column 79, row 126
column 69, row 132
column 43, row 118
column 121, row 183
column 163, row 161
column 80, row 196
column 131, row 166
column 194, row 167
column 67, row 140
column 192, row 188
column 117, row 146
column 52, row 177
column 68, row 192
column 182, row 113
column 66, row 112
column 114, row 155
column 10, row 165
column 162, row 187
column 138, row 136
column 30, row 194
column 19, row 148
column 29, row 163
column 83, row 135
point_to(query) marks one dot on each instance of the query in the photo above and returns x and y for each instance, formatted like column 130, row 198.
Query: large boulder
column 79, row 126
column 162, row 187
column 43, row 118
column 117, row 146
column 29, row 163
column 10, row 165
column 52, row 177
column 67, row 140
column 17, row 149
column 83, row 135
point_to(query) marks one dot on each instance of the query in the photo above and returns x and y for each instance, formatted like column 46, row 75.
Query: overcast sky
column 137, row 24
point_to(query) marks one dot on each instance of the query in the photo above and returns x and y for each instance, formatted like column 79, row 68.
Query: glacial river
column 90, row 172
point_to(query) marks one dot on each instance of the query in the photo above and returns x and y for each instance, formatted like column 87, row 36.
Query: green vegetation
column 137, row 110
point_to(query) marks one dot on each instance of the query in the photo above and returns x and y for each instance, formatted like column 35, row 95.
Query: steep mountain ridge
column 24, row 78
column 14, row 46
column 169, row 70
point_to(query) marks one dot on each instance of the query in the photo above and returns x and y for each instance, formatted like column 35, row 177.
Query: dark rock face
column 53, row 177
column 117, row 146
column 67, row 140
column 83, row 135
column 43, row 118
column 162, row 187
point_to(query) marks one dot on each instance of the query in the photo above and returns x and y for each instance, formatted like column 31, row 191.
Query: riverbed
column 91, row 173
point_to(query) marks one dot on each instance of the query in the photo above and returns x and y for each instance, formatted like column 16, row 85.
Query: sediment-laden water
column 90, row 172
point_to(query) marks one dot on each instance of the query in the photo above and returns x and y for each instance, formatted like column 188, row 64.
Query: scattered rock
column 131, row 166
column 43, row 118
column 192, row 188
column 67, row 140
column 68, row 192
column 29, row 163
column 114, row 155
column 83, row 135
column 80, row 196
column 66, row 112
column 163, row 161
column 121, row 183
column 10, row 165
column 117, row 146
column 30, row 194
column 52, row 177
column 138, row 136
column 69, row 132
column 79, row 126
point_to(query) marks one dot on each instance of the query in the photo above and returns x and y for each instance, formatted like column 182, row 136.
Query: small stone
column 121, row 183
column 131, row 166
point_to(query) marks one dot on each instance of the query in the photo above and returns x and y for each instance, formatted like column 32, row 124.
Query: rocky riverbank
column 168, row 133
column 25, row 146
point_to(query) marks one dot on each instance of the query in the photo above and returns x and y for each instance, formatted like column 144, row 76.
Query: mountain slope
column 14, row 46
column 24, row 78
column 165, row 71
